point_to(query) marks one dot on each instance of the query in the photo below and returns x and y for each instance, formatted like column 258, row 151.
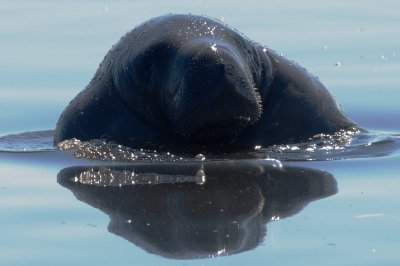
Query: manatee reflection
column 196, row 210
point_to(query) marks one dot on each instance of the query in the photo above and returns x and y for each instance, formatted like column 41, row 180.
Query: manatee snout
column 215, row 88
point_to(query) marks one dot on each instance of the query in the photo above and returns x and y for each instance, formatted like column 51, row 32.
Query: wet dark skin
column 185, row 81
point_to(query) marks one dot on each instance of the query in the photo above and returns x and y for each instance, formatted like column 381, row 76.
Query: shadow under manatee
column 196, row 210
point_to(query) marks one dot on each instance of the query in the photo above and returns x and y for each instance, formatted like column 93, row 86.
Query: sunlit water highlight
column 342, row 145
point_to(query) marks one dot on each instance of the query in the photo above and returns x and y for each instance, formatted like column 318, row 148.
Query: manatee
column 182, row 81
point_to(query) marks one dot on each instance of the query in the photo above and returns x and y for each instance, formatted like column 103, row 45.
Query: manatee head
column 199, row 88
column 211, row 92
column 189, row 81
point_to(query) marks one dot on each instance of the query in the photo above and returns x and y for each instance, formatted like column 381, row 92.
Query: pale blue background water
column 49, row 51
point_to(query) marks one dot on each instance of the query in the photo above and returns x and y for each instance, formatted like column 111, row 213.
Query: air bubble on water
column 275, row 162
column 105, row 151
column 200, row 177
column 200, row 157
column 342, row 144
column 69, row 144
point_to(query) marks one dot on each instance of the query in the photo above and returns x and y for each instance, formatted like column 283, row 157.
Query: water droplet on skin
column 219, row 252
column 275, row 218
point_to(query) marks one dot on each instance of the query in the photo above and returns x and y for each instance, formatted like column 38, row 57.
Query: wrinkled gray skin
column 189, row 81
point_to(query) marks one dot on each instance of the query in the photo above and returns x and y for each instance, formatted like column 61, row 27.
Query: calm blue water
column 344, row 213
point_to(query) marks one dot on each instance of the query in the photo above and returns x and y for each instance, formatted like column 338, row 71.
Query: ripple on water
column 28, row 141
column 338, row 146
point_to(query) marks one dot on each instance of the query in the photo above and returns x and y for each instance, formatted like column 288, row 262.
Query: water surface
column 320, row 206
